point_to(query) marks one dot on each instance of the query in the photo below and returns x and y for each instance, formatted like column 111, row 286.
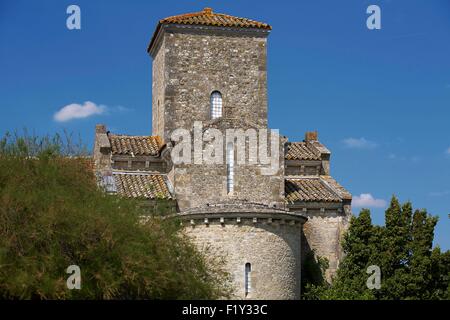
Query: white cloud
column 78, row 111
column 447, row 151
column 359, row 143
column 366, row 200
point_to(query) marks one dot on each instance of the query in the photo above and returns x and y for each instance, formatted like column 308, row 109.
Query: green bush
column 52, row 215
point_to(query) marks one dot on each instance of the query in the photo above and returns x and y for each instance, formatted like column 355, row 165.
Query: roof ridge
column 342, row 192
column 330, row 187
column 207, row 17
column 211, row 13
column 190, row 14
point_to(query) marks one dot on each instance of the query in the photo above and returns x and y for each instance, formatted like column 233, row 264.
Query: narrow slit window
column 230, row 167
column 216, row 105
column 248, row 284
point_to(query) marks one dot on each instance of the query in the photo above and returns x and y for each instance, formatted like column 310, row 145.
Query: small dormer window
column 216, row 105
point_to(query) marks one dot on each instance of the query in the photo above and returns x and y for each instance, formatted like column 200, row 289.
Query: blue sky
column 380, row 99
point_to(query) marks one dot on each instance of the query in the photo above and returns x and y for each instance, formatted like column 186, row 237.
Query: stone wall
column 193, row 63
column 303, row 168
column 138, row 163
column 102, row 150
column 197, row 185
column 323, row 234
column 274, row 251
column 158, row 87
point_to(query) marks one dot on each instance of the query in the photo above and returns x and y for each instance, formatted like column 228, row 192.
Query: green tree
column 440, row 274
column 421, row 283
column 410, row 267
column 395, row 250
column 53, row 215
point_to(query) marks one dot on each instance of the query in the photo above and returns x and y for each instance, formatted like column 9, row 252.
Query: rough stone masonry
column 212, row 68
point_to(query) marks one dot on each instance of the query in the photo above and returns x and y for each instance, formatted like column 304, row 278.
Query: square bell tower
column 208, row 65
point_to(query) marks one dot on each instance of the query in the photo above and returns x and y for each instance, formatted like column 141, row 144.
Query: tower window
column 248, row 284
column 216, row 105
column 230, row 167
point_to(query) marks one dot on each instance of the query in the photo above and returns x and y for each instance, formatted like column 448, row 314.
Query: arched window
column 216, row 105
column 230, row 167
column 248, row 283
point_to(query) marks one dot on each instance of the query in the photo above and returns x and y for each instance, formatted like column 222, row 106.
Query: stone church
column 212, row 68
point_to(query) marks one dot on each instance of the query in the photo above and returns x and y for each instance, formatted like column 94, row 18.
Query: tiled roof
column 301, row 151
column 309, row 190
column 341, row 191
column 135, row 145
column 209, row 18
column 141, row 185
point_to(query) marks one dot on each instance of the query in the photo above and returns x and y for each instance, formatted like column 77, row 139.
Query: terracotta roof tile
column 141, row 185
column 301, row 151
column 308, row 190
column 341, row 191
column 209, row 18
column 136, row 145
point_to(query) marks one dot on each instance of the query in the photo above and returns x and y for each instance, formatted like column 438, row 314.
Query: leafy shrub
column 52, row 215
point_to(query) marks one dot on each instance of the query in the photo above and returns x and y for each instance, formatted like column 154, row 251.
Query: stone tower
column 191, row 61
column 198, row 58
column 197, row 54
column 209, row 79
